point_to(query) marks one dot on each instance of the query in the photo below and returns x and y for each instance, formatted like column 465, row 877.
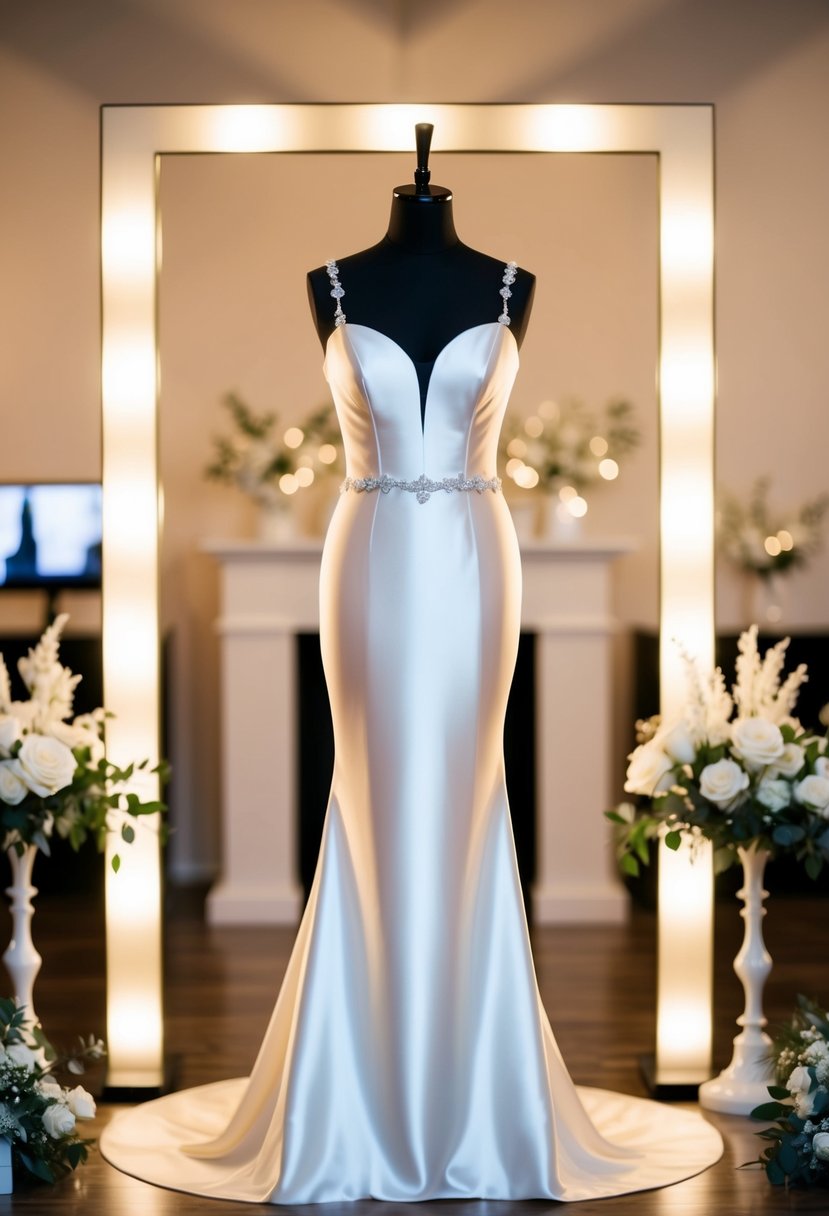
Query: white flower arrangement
column 37, row 1114
column 54, row 774
column 737, row 768
column 757, row 542
column 798, row 1143
column 563, row 448
column 270, row 467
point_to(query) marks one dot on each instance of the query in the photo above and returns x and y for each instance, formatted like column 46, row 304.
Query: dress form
column 420, row 285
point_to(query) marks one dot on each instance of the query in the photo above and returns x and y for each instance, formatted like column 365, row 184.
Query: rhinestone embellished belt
column 423, row 487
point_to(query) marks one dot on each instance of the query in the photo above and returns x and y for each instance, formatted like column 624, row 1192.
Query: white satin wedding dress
column 409, row 1056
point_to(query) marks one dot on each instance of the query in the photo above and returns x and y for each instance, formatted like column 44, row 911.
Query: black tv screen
column 50, row 535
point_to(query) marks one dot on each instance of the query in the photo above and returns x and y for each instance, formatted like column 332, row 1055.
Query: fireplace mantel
column 269, row 593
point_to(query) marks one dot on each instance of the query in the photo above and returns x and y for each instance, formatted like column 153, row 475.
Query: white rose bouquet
column 54, row 774
column 798, row 1148
column 37, row 1114
column 737, row 768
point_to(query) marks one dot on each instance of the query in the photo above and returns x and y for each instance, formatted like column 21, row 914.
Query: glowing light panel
column 132, row 140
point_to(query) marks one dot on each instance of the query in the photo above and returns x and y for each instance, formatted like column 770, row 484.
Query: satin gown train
column 409, row 1056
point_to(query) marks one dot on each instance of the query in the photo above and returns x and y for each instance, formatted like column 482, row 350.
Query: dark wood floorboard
column 597, row 984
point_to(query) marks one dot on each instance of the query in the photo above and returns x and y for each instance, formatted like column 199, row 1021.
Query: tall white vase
column 744, row 1083
column 21, row 959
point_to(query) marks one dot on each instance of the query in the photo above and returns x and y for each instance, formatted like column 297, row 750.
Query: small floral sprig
column 37, row 1114
column 54, row 773
column 757, row 779
column 272, row 467
column 565, row 446
column 758, row 542
column 798, row 1143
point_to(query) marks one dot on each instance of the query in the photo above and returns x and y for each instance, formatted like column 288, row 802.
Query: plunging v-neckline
column 503, row 321
column 412, row 363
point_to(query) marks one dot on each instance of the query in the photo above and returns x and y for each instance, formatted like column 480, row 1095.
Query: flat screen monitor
column 50, row 535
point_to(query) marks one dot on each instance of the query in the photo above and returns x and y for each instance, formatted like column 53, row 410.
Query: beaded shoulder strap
column 505, row 293
column 337, row 291
column 332, row 270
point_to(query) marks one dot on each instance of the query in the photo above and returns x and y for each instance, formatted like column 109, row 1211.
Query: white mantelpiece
column 269, row 593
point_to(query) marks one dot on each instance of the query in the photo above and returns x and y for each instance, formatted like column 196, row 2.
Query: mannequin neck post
column 422, row 223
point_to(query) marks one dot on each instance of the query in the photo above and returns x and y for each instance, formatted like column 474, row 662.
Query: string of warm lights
column 304, row 476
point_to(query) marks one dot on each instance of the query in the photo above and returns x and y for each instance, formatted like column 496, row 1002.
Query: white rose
column 49, row 1088
column 648, row 769
column 804, row 1104
column 813, row 792
column 45, row 764
column 58, row 1120
column 820, row 1146
column 81, row 1103
column 19, row 1053
column 756, row 741
column 678, row 742
column 720, row 783
column 9, row 733
column 774, row 794
column 12, row 789
column 791, row 761
column 821, row 767
column 799, row 1086
column 799, row 1081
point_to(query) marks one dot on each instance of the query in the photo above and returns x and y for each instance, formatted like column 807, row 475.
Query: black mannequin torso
column 420, row 285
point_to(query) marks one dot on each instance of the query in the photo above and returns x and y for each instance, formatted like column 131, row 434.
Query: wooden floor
column 597, row 984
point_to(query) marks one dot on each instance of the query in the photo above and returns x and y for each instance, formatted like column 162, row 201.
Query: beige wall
column 763, row 63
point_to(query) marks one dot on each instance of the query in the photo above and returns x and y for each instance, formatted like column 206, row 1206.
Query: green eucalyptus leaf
column 770, row 1111
column 774, row 1173
column 813, row 865
column 779, row 1092
column 642, row 853
column 787, row 1157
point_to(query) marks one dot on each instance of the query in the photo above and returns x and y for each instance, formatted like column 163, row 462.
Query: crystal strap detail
column 505, row 293
column 423, row 487
column 337, row 292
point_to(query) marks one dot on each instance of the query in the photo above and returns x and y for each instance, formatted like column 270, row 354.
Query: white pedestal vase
column 744, row 1083
column 559, row 525
column 21, row 959
column 276, row 524
column 766, row 601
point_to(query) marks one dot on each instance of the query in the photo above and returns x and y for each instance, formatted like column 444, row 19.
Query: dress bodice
column 377, row 397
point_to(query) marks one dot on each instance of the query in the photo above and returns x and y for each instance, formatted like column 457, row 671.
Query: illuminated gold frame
column 133, row 140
